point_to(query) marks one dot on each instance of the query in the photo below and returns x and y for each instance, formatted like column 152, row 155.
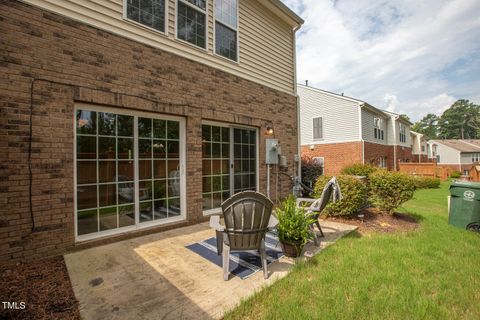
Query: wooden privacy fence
column 424, row 169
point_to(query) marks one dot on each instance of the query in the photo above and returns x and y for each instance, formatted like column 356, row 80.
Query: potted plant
column 293, row 227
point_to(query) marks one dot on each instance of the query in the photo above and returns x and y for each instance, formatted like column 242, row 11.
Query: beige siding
column 265, row 41
column 368, row 127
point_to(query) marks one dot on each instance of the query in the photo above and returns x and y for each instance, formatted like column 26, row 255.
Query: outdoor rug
column 242, row 264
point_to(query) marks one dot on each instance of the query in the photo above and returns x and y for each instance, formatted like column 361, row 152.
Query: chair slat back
column 246, row 216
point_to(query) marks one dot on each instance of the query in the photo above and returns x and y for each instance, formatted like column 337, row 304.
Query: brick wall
column 72, row 62
column 336, row 155
column 404, row 154
column 374, row 151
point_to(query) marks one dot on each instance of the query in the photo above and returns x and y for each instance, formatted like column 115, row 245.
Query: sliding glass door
column 128, row 170
column 229, row 163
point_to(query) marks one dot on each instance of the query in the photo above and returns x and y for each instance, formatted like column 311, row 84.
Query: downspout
column 299, row 141
column 395, row 143
column 360, row 131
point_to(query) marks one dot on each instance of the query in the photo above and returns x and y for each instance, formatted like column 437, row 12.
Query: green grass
column 430, row 273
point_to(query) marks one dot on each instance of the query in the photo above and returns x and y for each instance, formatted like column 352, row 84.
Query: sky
column 407, row 56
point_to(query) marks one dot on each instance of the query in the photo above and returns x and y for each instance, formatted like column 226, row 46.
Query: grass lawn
column 430, row 273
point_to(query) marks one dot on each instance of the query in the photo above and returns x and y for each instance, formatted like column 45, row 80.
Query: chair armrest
column 272, row 223
column 215, row 223
column 302, row 200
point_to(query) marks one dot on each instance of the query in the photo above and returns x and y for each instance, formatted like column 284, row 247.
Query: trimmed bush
column 311, row 170
column 359, row 169
column 389, row 189
column 426, row 183
column 455, row 174
column 354, row 193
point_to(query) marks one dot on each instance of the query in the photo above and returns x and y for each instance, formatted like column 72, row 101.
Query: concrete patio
column 156, row 277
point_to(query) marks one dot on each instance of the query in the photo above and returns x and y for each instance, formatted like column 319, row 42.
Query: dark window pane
column 207, row 201
column 173, row 187
column 216, row 134
column 145, row 190
column 145, row 169
column 206, row 184
column 144, row 127
column 237, row 150
column 173, row 169
column 173, row 130
column 86, row 197
column 150, row 13
column 86, row 172
column 253, row 137
column 107, row 171
column 87, row 221
column 217, row 199
column 106, row 148
column 126, row 192
column 144, row 148
column 206, row 167
column 216, row 166
column 86, row 147
column 207, row 150
column 125, row 148
column 225, row 150
column 126, row 216
column 174, row 207
column 86, row 122
column 173, row 149
column 199, row 3
column 108, row 218
column 160, row 209
column 226, row 182
column 225, row 41
column 253, row 181
column 160, row 169
column 106, row 124
column 225, row 195
column 225, row 166
column 191, row 25
column 252, row 152
column 107, row 195
column 216, row 150
column 237, row 135
column 146, row 211
column 125, row 125
column 125, row 171
column 159, row 189
column 206, row 133
column 225, row 135
column 159, row 149
column 159, row 128
column 217, row 183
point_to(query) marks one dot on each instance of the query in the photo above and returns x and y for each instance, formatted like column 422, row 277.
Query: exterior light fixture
column 269, row 129
column 312, row 147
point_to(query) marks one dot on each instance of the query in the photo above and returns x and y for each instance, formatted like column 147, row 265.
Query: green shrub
column 311, row 170
column 354, row 193
column 359, row 169
column 426, row 182
column 455, row 174
column 293, row 222
column 389, row 189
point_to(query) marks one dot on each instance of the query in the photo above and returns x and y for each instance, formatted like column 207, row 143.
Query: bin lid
column 468, row 190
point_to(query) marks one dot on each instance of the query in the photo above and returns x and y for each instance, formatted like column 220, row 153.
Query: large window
column 317, row 128
column 226, row 26
column 403, row 133
column 229, row 163
column 191, row 22
column 378, row 128
column 150, row 13
column 128, row 170
column 475, row 157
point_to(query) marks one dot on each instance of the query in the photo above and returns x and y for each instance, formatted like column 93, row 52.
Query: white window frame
column 403, row 132
column 214, row 211
column 378, row 125
column 226, row 24
column 313, row 129
column 138, row 24
column 205, row 12
column 182, row 157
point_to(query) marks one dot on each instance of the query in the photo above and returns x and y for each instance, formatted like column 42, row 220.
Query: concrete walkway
column 156, row 277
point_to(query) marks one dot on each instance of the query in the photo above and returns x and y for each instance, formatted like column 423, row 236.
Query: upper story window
column 403, row 133
column 423, row 148
column 475, row 157
column 318, row 128
column 192, row 21
column 378, row 130
column 150, row 13
column 226, row 25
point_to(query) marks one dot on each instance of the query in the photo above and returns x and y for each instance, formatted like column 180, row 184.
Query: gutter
column 299, row 135
column 360, row 106
column 395, row 118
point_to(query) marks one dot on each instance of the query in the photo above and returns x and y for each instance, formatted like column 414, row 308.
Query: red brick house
column 340, row 131
column 121, row 118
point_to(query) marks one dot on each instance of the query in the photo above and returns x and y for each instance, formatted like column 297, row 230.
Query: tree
column 405, row 117
column 427, row 126
column 460, row 121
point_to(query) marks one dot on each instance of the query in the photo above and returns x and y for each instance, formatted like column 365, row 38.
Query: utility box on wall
column 271, row 151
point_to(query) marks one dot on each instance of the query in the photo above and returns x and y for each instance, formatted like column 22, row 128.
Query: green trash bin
column 464, row 205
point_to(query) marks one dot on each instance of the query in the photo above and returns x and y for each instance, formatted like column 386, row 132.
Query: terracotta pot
column 292, row 249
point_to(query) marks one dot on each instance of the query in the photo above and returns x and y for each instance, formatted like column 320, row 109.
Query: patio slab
column 156, row 277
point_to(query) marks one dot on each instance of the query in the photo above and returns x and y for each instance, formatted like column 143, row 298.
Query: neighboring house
column 419, row 147
column 142, row 115
column 340, row 130
column 459, row 155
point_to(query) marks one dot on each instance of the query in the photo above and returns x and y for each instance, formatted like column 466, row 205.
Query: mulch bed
column 44, row 286
column 376, row 221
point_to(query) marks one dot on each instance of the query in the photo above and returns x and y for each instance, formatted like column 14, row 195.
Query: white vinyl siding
column 317, row 128
column 265, row 41
column 468, row 157
column 368, row 127
column 447, row 155
column 340, row 117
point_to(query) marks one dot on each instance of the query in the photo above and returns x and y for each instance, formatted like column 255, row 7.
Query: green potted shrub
column 293, row 227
